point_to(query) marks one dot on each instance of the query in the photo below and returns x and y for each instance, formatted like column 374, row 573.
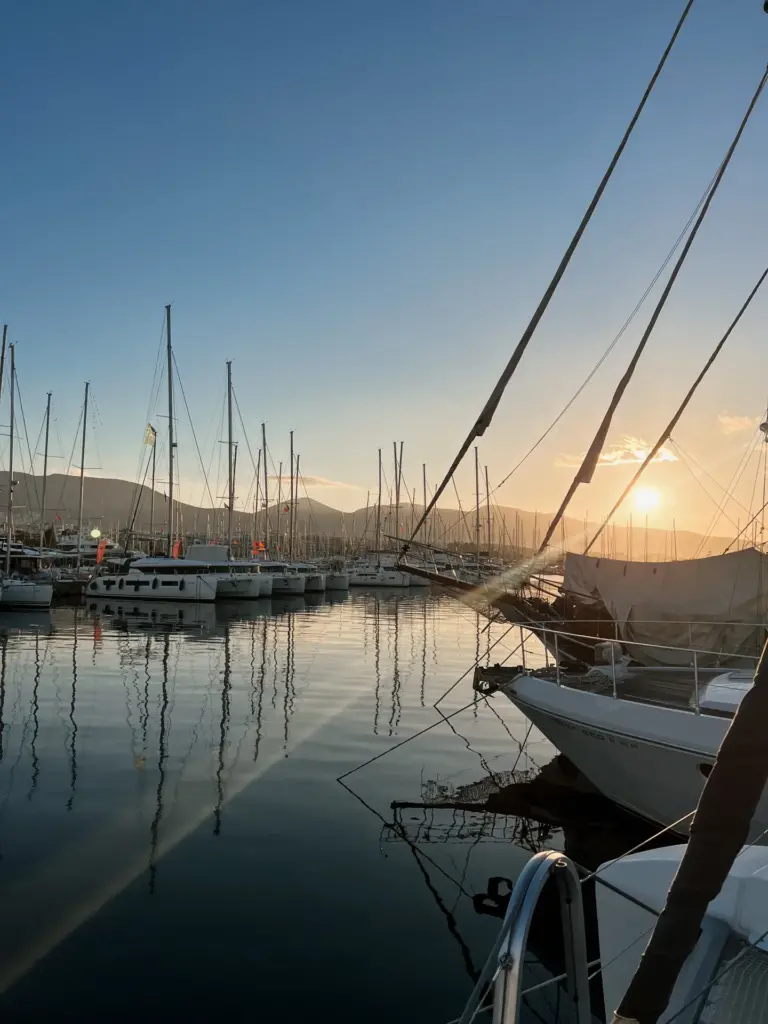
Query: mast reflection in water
column 191, row 753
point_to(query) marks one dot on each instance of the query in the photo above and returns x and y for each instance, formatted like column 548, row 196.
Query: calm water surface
column 174, row 843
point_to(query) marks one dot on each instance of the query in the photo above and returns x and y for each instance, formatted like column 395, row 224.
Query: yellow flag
column 149, row 435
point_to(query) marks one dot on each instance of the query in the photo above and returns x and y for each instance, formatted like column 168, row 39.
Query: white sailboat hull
column 26, row 594
column 314, row 582
column 337, row 581
column 265, row 584
column 154, row 587
column 417, row 581
column 287, row 584
column 649, row 759
column 378, row 578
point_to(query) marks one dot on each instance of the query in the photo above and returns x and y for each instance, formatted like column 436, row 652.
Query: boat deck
column 666, row 687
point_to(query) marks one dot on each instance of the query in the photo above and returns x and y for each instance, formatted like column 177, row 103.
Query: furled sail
column 715, row 604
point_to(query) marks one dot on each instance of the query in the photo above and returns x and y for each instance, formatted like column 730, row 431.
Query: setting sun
column 645, row 498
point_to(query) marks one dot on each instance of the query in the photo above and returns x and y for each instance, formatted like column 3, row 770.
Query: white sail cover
column 713, row 604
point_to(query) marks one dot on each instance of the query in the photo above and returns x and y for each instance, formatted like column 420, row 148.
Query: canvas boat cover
column 713, row 604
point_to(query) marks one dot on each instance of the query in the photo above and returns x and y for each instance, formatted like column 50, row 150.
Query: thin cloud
column 318, row 481
column 631, row 452
column 736, row 424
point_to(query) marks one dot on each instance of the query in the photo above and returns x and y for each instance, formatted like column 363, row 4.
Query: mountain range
column 109, row 504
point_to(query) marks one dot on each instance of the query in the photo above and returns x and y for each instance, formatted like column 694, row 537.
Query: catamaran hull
column 285, row 586
column 154, row 587
column 651, row 760
column 382, row 578
column 265, row 584
column 337, row 581
column 26, row 595
column 236, row 587
column 314, row 582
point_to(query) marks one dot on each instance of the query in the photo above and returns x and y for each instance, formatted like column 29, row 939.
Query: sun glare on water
column 645, row 499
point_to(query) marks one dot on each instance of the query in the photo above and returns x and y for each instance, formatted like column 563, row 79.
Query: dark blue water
column 174, row 843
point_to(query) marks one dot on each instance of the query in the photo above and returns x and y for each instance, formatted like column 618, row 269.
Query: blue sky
column 360, row 205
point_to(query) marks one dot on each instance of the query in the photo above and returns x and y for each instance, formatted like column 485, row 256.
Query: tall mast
column 45, row 468
column 477, row 504
column 266, row 487
column 152, row 494
column 256, row 534
column 399, row 485
column 2, row 357
column 279, row 506
column 488, row 511
column 296, row 521
column 9, row 531
column 231, row 496
column 378, row 516
column 82, row 472
column 290, row 513
column 171, row 443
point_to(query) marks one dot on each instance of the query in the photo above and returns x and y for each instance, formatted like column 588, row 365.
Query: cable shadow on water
column 35, row 721
column 72, row 721
column 260, row 698
column 394, row 718
column 223, row 732
column 421, row 859
column 154, row 828
column 3, row 667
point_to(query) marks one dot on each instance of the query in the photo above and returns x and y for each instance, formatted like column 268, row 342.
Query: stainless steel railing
column 504, row 967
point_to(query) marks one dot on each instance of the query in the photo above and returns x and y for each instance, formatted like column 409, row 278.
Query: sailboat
column 18, row 592
column 645, row 664
column 159, row 579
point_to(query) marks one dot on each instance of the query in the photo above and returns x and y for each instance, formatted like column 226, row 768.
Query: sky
column 360, row 205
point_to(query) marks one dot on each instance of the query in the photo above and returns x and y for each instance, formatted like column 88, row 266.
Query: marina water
column 174, row 842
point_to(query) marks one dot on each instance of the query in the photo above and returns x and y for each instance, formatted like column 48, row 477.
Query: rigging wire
column 26, row 437
column 702, row 469
column 191, row 424
column 620, row 334
column 589, row 464
column 584, row 474
column 732, row 484
column 71, row 457
column 248, row 447
column 697, row 479
column 491, row 405
column 154, row 392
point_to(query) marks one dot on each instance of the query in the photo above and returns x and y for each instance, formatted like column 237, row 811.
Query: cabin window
column 169, row 583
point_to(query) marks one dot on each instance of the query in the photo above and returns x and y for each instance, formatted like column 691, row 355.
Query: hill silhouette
column 110, row 504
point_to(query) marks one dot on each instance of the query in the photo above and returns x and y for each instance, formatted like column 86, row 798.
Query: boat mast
column 256, row 535
column 477, row 505
column 279, row 506
column 152, row 494
column 424, row 494
column 396, row 495
column 45, row 469
column 488, row 511
column 171, row 443
column 82, row 473
column 9, row 531
column 296, row 521
column 266, row 487
column 231, row 494
column 378, row 516
column 290, row 513
column 2, row 357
